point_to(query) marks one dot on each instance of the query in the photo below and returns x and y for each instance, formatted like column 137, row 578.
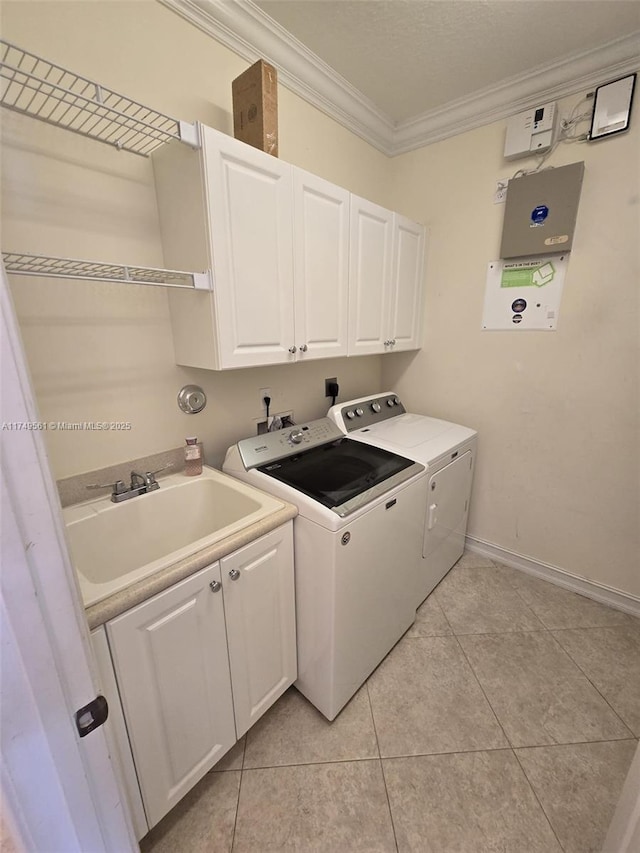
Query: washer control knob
column 390, row 402
column 351, row 414
column 296, row 436
column 359, row 412
column 375, row 407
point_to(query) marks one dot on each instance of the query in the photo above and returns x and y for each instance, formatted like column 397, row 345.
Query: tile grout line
column 604, row 698
column 473, row 672
column 576, row 743
column 514, row 589
column 235, row 821
column 533, row 791
column 508, row 739
column 404, row 755
column 384, row 778
column 513, row 749
column 577, row 594
column 507, row 748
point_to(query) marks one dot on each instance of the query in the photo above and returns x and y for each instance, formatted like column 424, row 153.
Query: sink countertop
column 101, row 612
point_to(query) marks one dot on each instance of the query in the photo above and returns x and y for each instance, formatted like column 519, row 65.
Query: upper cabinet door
column 406, row 294
column 251, row 232
column 370, row 277
column 321, row 266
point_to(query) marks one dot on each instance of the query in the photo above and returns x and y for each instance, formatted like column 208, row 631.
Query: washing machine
column 448, row 451
column 357, row 544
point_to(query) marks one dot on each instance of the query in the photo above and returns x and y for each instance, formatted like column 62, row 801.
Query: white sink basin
column 114, row 545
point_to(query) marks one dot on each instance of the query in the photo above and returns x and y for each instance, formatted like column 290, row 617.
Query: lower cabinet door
column 171, row 663
column 115, row 731
column 259, row 600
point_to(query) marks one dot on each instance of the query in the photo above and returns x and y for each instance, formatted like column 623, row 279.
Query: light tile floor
column 504, row 720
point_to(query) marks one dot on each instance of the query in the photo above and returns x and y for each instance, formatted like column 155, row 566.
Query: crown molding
column 576, row 73
column 243, row 28
column 246, row 30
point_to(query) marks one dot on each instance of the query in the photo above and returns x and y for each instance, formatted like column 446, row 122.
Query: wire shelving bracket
column 35, row 87
column 16, row 263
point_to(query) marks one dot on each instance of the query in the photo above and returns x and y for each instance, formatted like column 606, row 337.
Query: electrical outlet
column 264, row 392
column 500, row 195
column 327, row 382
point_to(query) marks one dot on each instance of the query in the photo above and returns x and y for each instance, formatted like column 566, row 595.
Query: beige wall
column 558, row 469
column 104, row 352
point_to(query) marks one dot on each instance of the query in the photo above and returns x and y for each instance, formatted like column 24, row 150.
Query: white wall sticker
column 524, row 294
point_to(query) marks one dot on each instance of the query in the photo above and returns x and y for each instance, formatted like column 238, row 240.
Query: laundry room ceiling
column 403, row 73
column 411, row 56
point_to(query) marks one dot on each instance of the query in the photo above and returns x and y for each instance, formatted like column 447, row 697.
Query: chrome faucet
column 140, row 484
column 144, row 481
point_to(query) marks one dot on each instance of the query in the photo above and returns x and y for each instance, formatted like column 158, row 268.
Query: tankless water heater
column 541, row 211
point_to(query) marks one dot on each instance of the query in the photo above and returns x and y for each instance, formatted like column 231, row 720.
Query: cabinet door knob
column 292, row 350
column 216, row 586
column 234, row 574
column 392, row 342
column 303, row 348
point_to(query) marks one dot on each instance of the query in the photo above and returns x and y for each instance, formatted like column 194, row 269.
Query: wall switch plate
column 500, row 195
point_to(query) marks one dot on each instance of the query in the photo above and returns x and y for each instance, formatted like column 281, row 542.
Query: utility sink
column 114, row 545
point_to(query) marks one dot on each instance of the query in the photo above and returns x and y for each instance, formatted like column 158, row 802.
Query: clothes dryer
column 448, row 451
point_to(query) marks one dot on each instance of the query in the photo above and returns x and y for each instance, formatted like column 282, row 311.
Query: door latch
column 91, row 716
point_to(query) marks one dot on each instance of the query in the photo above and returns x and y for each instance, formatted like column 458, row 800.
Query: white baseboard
column 598, row 592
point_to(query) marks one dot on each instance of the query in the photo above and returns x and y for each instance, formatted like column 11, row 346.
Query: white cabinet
column 407, row 285
column 259, row 602
column 277, row 240
column 115, row 731
column 301, row 268
column 321, row 267
column 386, row 280
column 221, row 639
column 170, row 658
column 229, row 207
column 250, row 229
column 369, row 276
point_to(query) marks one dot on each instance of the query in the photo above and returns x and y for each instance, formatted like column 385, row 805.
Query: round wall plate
column 192, row 399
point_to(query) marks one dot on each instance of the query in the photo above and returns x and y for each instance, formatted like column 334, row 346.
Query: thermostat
column 531, row 132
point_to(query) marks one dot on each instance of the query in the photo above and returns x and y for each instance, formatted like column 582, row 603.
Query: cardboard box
column 255, row 107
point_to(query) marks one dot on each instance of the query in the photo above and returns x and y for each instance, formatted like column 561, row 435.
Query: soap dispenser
column 192, row 457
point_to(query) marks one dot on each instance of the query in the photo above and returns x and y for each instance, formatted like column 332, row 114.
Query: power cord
column 333, row 389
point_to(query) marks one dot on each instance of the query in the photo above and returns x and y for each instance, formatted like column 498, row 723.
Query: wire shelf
column 35, row 87
column 49, row 267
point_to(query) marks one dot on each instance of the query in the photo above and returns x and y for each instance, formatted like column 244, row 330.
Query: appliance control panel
column 369, row 410
column 262, row 449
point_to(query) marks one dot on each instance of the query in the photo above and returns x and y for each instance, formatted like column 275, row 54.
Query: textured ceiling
column 412, row 56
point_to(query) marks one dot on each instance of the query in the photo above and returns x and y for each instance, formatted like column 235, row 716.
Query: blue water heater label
column 538, row 215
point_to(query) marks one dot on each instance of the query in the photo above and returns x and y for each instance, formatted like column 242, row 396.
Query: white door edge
column 48, row 660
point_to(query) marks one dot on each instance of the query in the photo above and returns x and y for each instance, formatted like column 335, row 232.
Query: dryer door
column 447, row 510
